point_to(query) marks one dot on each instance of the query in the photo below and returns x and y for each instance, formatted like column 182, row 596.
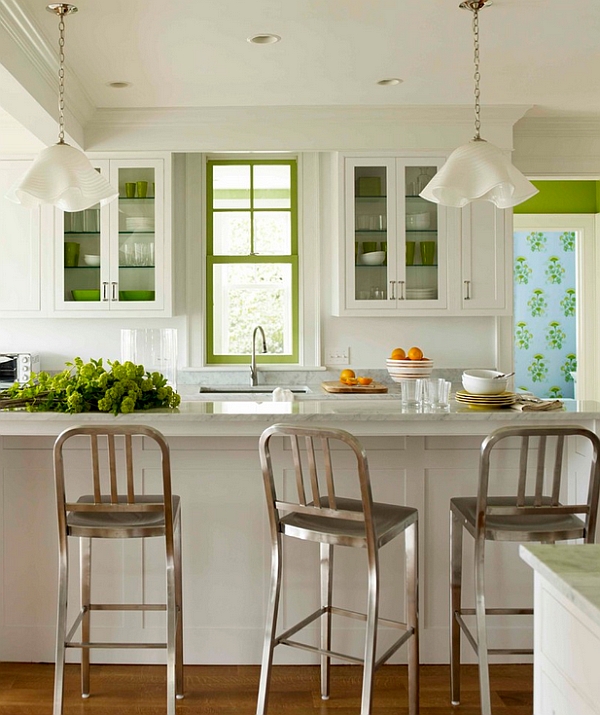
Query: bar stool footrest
column 115, row 645
column 458, row 615
column 283, row 639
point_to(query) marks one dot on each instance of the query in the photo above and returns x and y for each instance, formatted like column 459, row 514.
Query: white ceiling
column 194, row 53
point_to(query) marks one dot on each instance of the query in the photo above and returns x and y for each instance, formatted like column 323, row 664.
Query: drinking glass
column 436, row 391
column 411, row 392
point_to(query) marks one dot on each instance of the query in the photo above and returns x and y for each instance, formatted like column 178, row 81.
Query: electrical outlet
column 337, row 356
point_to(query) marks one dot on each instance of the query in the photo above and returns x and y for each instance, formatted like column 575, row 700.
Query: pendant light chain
column 477, row 75
column 61, row 78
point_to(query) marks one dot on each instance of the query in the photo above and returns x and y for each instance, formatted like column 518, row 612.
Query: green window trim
column 290, row 259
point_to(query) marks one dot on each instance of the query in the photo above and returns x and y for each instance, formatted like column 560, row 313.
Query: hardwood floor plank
column 26, row 689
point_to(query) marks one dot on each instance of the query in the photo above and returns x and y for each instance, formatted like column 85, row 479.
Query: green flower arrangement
column 90, row 387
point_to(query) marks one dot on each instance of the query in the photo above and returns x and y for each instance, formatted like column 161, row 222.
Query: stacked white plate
column 504, row 399
column 139, row 223
column 411, row 369
column 421, row 293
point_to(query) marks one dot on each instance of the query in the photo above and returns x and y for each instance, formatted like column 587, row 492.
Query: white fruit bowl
column 482, row 382
column 402, row 369
column 91, row 260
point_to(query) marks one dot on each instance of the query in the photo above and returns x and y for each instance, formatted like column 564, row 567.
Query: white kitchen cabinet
column 116, row 260
column 485, row 286
column 393, row 243
column 429, row 260
column 20, row 232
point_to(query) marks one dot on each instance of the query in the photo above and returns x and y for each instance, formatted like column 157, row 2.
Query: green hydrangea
column 87, row 387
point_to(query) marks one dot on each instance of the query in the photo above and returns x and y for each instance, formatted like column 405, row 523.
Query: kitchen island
column 417, row 458
column 567, row 627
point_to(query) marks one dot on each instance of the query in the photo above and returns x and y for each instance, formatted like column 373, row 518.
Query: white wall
column 60, row 339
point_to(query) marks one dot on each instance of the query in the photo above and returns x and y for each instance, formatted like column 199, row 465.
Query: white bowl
column 481, row 382
column 374, row 258
column 91, row 260
column 418, row 221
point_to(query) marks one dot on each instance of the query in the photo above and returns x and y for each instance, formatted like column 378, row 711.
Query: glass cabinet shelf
column 136, row 198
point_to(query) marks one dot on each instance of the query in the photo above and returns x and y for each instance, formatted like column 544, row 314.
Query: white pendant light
column 478, row 170
column 62, row 176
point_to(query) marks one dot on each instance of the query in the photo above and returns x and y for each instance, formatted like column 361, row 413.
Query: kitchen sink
column 257, row 389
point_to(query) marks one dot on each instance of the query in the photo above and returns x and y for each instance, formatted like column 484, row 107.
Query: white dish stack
column 409, row 369
column 139, row 223
column 421, row 293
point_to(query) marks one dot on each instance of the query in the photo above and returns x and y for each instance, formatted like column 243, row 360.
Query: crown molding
column 301, row 128
column 559, row 127
column 413, row 114
column 41, row 57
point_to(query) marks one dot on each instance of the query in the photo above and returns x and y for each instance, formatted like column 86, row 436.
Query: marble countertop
column 362, row 416
column 573, row 569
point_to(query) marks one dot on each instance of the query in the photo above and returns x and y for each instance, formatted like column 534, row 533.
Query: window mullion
column 252, row 251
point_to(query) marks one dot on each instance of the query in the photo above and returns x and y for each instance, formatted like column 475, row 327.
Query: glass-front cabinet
column 394, row 241
column 115, row 258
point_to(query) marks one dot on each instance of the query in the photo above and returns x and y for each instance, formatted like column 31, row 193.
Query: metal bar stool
column 116, row 512
column 330, row 520
column 533, row 512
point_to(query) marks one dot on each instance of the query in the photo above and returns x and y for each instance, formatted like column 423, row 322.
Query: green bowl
column 136, row 295
column 86, row 295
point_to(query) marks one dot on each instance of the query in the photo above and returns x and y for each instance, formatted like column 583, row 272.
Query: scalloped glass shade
column 63, row 177
column 478, row 170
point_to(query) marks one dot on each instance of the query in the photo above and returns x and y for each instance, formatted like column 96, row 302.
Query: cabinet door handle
column 400, row 290
column 468, row 290
column 114, row 290
column 392, row 290
column 104, row 290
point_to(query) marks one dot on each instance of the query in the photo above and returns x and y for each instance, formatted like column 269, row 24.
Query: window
column 252, row 259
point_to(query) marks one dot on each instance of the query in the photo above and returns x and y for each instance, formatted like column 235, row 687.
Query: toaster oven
column 17, row 367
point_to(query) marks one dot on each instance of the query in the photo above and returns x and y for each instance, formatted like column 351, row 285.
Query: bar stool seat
column 533, row 509
column 115, row 510
column 530, row 527
column 389, row 520
column 333, row 521
column 123, row 524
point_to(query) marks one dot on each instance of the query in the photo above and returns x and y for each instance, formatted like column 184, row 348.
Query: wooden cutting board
column 340, row 387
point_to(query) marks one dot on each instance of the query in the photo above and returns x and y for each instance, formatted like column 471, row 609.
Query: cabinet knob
column 400, row 290
column 104, row 290
column 114, row 290
column 392, row 290
column 467, row 290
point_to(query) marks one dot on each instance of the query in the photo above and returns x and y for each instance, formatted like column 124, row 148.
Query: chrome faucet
column 253, row 370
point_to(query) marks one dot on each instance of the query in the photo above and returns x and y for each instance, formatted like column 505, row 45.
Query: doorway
column 555, row 313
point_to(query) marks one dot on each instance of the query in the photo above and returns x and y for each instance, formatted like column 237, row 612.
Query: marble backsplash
column 189, row 380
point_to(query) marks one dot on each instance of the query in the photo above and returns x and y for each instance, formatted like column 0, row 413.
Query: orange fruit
column 415, row 354
column 398, row 354
column 347, row 374
column 351, row 381
column 364, row 380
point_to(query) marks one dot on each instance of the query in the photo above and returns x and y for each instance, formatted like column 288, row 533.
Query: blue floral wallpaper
column 544, row 307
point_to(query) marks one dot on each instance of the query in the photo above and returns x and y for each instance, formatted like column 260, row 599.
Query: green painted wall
column 563, row 197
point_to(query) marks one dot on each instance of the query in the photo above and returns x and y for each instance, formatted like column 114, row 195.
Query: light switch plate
column 337, row 356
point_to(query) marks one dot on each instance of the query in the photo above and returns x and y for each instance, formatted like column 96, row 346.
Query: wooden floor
column 26, row 689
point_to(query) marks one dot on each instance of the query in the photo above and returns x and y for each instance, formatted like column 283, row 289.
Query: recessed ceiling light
column 118, row 85
column 390, row 82
column 264, row 39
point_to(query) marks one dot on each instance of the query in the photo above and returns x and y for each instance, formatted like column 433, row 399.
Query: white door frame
column 587, row 270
